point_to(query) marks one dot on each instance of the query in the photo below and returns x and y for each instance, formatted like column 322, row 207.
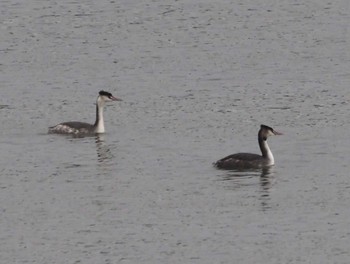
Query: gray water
column 197, row 79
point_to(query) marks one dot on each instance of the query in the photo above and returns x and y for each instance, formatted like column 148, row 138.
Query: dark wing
column 72, row 128
column 238, row 160
column 242, row 156
column 77, row 125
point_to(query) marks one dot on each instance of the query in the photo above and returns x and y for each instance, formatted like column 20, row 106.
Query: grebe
column 249, row 160
column 81, row 128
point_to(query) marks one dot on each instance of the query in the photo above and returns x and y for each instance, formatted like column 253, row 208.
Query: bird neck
column 265, row 150
column 99, row 123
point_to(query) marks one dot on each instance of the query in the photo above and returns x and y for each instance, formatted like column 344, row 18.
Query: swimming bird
column 81, row 128
column 249, row 160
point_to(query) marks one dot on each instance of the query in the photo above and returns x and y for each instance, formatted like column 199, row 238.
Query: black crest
column 104, row 93
column 266, row 127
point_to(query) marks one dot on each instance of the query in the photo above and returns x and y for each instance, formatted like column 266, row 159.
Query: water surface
column 197, row 80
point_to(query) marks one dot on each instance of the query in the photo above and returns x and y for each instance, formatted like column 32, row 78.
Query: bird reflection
column 104, row 154
column 265, row 187
column 237, row 179
column 265, row 179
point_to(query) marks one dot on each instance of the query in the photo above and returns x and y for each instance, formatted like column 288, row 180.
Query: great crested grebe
column 81, row 128
column 249, row 160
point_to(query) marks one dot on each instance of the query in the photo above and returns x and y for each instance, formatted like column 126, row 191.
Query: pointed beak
column 115, row 98
column 277, row 133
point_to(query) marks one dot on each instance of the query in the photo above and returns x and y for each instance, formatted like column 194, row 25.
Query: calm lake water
column 197, row 79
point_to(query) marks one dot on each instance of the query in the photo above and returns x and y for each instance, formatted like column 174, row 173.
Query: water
column 197, row 80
